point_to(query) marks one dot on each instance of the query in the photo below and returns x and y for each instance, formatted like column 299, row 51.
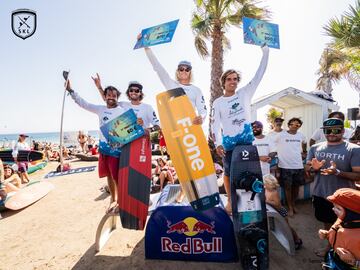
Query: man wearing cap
column 265, row 146
column 109, row 157
column 230, row 116
column 318, row 135
column 21, row 144
column 335, row 164
column 183, row 79
column 144, row 112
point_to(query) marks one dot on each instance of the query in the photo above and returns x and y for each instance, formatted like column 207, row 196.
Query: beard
column 257, row 132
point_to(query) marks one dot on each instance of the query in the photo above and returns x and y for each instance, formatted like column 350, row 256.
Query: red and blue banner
column 180, row 233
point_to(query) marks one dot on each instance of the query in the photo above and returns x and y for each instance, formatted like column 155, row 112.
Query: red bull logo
column 190, row 227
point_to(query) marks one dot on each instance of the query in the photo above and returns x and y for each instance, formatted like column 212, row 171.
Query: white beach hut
column 311, row 109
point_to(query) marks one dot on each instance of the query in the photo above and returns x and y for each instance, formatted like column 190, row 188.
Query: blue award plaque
column 122, row 129
column 158, row 34
column 258, row 32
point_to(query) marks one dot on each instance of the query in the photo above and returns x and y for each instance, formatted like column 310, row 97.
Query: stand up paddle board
column 134, row 183
column 188, row 149
column 249, row 208
column 23, row 155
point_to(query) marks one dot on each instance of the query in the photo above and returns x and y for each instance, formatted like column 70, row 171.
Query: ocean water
column 70, row 137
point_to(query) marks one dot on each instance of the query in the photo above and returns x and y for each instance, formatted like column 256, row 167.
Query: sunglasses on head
column 187, row 69
column 135, row 90
column 334, row 131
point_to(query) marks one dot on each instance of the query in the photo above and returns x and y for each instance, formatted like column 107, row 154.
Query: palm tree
column 341, row 59
column 209, row 23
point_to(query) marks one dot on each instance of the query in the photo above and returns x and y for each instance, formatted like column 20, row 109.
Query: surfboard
column 28, row 195
column 134, row 181
column 249, row 208
column 188, row 149
column 23, row 155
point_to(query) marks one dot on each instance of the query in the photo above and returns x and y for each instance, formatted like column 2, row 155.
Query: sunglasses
column 295, row 125
column 134, row 90
column 335, row 131
column 182, row 69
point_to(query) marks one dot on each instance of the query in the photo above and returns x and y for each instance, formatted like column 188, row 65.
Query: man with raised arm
column 230, row 116
column 109, row 157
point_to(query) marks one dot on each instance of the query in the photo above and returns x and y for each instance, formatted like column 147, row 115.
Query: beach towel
column 72, row 171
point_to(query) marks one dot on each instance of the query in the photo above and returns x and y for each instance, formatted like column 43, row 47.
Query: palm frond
column 201, row 47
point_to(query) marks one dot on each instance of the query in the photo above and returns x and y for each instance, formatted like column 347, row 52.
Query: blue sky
column 98, row 36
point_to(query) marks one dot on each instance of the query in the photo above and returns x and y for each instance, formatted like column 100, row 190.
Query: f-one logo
column 190, row 142
column 23, row 23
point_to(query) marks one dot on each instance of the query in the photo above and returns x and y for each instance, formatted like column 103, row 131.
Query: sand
column 58, row 232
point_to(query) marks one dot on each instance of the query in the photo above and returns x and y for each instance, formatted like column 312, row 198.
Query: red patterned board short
column 108, row 166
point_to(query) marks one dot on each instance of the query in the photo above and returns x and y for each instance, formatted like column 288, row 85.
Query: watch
column 337, row 172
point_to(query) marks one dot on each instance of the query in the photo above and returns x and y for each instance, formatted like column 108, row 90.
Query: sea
column 70, row 138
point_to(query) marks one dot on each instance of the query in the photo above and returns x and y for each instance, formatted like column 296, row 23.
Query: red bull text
column 190, row 227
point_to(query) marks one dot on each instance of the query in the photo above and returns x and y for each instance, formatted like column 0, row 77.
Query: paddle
column 66, row 77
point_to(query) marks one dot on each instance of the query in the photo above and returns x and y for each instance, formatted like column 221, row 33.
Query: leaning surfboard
column 134, row 183
column 188, row 149
column 249, row 208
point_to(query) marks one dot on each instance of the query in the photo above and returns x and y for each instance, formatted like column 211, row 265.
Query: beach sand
column 58, row 232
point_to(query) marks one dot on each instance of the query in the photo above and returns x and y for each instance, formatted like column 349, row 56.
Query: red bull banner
column 180, row 233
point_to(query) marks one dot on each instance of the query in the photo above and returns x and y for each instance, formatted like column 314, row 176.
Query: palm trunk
column 217, row 59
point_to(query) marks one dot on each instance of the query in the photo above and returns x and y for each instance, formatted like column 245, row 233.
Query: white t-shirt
column 318, row 135
column 194, row 93
column 230, row 114
column 19, row 146
column 289, row 149
column 143, row 111
column 272, row 136
column 265, row 146
column 105, row 115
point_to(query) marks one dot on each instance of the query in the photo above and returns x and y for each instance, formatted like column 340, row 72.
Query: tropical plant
column 272, row 114
column 341, row 59
column 210, row 22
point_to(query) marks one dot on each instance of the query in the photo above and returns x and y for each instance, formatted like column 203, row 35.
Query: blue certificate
column 259, row 33
column 122, row 129
column 155, row 35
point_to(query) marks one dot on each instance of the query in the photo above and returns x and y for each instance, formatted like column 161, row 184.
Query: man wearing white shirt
column 230, row 116
column 291, row 149
column 265, row 147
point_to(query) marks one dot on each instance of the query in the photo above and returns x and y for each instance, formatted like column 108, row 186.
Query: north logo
column 23, row 23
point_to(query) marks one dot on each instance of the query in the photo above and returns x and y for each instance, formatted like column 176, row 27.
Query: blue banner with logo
column 180, row 233
column 158, row 34
column 260, row 32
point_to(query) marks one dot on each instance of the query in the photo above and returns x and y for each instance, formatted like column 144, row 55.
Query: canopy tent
column 311, row 109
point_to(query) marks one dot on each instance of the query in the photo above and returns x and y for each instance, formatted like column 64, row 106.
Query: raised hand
column 316, row 164
column 97, row 81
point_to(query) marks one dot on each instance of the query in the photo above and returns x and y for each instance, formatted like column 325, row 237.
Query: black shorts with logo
column 291, row 177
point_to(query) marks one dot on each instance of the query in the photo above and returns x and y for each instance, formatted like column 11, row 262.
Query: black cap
column 333, row 123
column 278, row 119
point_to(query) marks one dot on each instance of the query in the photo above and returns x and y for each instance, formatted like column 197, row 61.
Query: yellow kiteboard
column 188, row 149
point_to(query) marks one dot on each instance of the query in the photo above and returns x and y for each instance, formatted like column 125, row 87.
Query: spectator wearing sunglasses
column 335, row 164
column 318, row 135
column 230, row 116
column 145, row 113
column 184, row 76
column 291, row 149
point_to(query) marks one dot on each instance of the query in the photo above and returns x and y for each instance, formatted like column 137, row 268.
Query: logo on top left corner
column 23, row 23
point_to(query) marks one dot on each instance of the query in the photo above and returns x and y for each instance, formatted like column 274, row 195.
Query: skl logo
column 23, row 23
